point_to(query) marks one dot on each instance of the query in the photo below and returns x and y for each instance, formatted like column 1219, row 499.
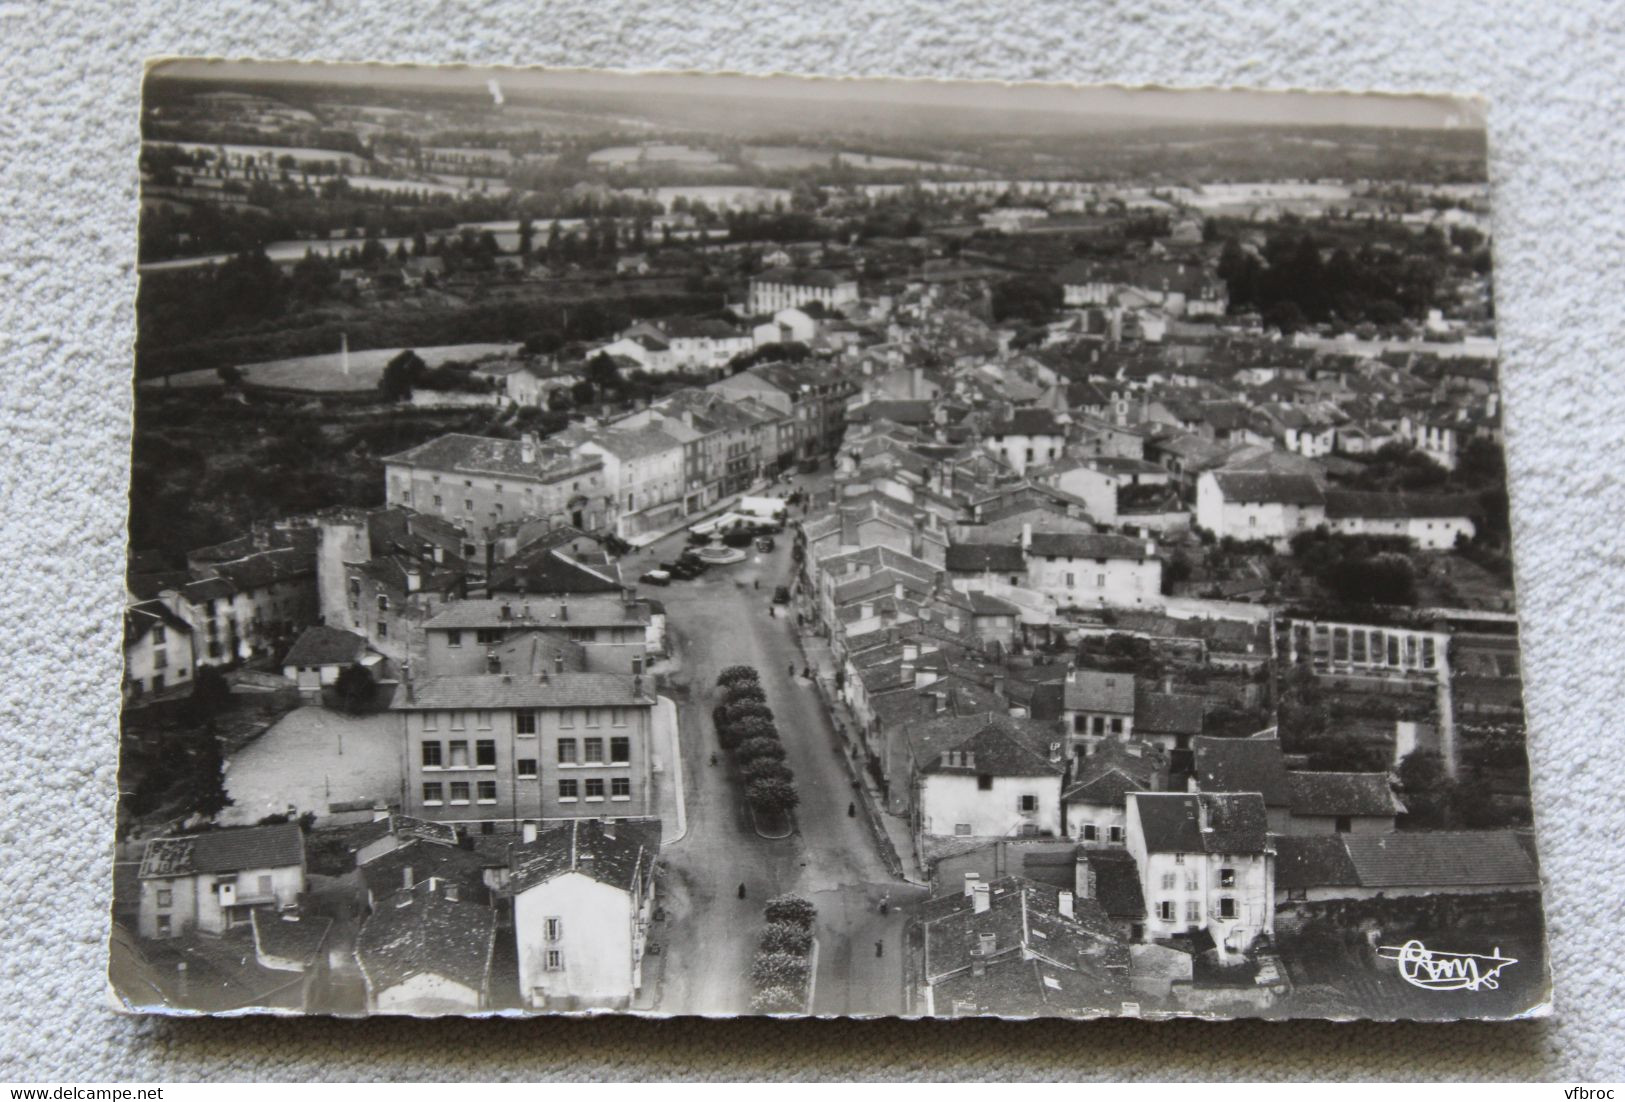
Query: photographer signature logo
column 1440, row 971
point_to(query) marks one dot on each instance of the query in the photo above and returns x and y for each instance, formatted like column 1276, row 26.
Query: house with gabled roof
column 213, row 881
column 426, row 950
column 157, row 649
column 1000, row 779
column 1343, row 803
column 1097, row 704
column 1321, row 868
column 583, row 899
column 1253, row 764
column 321, row 653
column 1259, row 505
column 1207, row 866
column 1094, row 801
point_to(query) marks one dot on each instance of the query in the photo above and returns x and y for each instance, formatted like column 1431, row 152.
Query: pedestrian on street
column 851, row 811
column 756, row 583
column 880, row 948
column 792, row 670
column 741, row 891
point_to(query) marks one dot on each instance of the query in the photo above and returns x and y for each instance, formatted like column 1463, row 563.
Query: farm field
column 326, row 371
column 298, row 153
column 654, row 154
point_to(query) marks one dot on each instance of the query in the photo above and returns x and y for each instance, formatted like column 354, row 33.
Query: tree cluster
column 782, row 967
column 745, row 728
column 1357, row 570
column 1292, row 285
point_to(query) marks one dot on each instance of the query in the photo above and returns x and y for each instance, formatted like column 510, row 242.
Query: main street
column 718, row 620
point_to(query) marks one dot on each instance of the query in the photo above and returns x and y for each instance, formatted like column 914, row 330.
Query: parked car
column 656, row 577
column 699, row 539
column 781, row 595
column 764, row 543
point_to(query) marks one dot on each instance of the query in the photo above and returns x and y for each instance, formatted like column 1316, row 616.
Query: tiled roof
column 1172, row 822
column 1441, row 859
column 1117, row 882
column 289, row 935
column 487, row 455
column 1169, row 713
column 1090, row 545
column 1269, row 488
column 1312, row 861
column 802, row 277
column 611, row 855
column 1001, row 558
column 1100, row 691
column 1351, row 503
column 406, row 828
column 1111, row 772
column 215, row 851
column 322, row 645
column 500, row 690
column 1343, row 794
column 141, row 618
column 1243, row 765
column 1005, row 747
column 584, row 610
column 267, row 568
column 1028, row 421
column 550, row 572
column 421, row 932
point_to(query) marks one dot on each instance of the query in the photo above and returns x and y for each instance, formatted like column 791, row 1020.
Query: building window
column 1344, row 824
column 555, row 960
column 569, row 790
column 163, row 925
column 984, row 782
column 1227, row 907
column 1168, row 881
column 1090, row 833
column 524, row 723
column 595, row 788
column 459, row 792
column 553, row 930
column 1027, row 804
column 454, row 638
column 1179, row 858
column 485, row 752
column 592, row 716
column 620, row 750
column 620, row 788
column 1193, row 911
column 567, row 717
column 617, row 717
column 482, row 720
column 567, row 751
column 1165, row 910
column 459, row 753
column 431, row 755
column 486, row 792
column 433, row 793
column 383, row 604
column 525, row 767
column 592, row 751
column 962, row 829
column 431, row 721
column 1227, row 878
column 458, row 721
column 1099, row 724
column 166, row 897
column 1114, row 834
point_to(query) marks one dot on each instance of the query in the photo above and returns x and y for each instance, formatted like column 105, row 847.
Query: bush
column 749, row 727
column 779, row 970
column 766, row 769
column 356, row 690
column 786, row 937
column 771, row 796
column 790, row 908
column 728, row 715
column 743, row 692
column 735, row 675
column 776, row 1000
column 759, row 749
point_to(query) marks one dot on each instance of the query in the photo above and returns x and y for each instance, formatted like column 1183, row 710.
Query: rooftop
column 615, row 855
column 1181, row 822
column 501, row 690
column 216, row 851
column 580, row 610
column 424, row 932
column 486, row 455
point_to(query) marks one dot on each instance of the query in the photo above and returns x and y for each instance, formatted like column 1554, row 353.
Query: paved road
column 718, row 620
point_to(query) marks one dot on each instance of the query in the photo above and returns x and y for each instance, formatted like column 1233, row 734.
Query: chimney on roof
column 905, row 673
column 1150, row 549
column 1202, row 822
column 971, row 880
column 564, row 610
column 505, row 612
column 1063, row 903
column 406, row 878
column 981, row 900
column 1083, row 878
column 1026, row 535
column 637, row 685
column 998, row 685
column 452, row 894
column 527, row 448
column 637, row 665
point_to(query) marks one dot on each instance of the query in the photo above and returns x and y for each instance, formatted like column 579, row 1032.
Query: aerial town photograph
column 717, row 545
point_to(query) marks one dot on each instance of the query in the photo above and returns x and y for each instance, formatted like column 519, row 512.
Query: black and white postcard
column 722, row 545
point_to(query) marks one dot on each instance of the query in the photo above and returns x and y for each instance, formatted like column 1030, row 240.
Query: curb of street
column 812, row 977
column 756, row 825
column 675, row 769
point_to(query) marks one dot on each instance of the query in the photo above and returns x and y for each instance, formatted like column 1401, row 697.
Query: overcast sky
column 1301, row 108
